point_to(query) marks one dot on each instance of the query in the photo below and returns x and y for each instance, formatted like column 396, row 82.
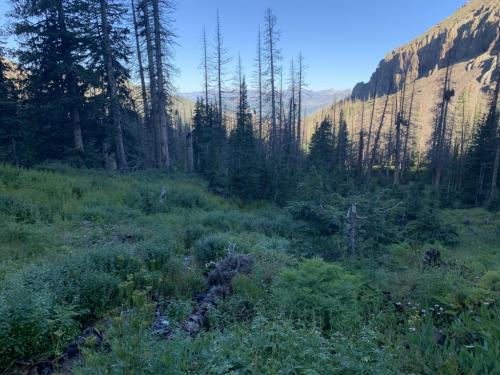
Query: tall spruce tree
column 322, row 147
column 52, row 51
column 242, row 156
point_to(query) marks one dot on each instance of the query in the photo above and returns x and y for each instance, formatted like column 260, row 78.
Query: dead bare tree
column 272, row 56
column 377, row 139
column 408, row 127
column 440, row 129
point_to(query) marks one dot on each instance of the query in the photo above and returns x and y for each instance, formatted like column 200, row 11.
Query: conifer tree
column 322, row 147
column 242, row 156
column 52, row 52
column 9, row 116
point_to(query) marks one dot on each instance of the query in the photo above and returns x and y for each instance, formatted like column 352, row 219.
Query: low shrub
column 211, row 248
column 318, row 292
column 269, row 347
column 491, row 281
column 33, row 326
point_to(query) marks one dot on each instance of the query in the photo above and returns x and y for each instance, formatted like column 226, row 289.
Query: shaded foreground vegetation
column 84, row 250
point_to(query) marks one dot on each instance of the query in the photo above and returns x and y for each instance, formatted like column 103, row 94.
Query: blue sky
column 342, row 41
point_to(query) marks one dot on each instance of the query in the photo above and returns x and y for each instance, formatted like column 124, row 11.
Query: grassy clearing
column 88, row 249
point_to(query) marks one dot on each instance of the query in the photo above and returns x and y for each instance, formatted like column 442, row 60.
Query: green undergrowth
column 85, row 248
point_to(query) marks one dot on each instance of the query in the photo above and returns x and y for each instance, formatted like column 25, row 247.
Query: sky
column 341, row 40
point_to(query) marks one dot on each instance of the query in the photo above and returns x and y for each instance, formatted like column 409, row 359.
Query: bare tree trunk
column 294, row 138
column 112, row 88
column 280, row 109
column 219, row 63
column 259, row 67
column 438, row 152
column 377, row 139
column 368, row 142
column 77, row 130
column 270, row 35
column 361, row 144
column 145, row 131
column 400, row 120
column 154, row 116
column 205, row 67
column 189, row 153
column 299, row 115
column 160, row 85
column 408, row 126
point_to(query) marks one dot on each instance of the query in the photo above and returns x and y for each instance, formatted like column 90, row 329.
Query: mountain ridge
column 468, row 42
column 471, row 35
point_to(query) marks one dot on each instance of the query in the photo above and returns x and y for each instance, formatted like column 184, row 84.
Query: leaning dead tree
column 439, row 141
column 377, row 140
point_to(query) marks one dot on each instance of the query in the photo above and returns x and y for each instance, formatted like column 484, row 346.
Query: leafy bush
column 428, row 227
column 242, row 305
column 211, row 248
column 269, row 347
column 318, row 292
column 491, row 281
column 33, row 325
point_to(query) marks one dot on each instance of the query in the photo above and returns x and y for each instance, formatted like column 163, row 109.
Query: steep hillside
column 468, row 42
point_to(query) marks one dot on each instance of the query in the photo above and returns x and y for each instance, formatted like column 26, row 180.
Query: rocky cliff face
column 469, row 41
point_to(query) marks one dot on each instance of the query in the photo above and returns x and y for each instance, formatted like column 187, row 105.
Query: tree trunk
column 259, row 63
column 71, row 81
column 219, row 65
column 205, row 68
column 146, row 142
column 377, row 138
column 299, row 114
column 400, row 119
column 270, row 32
column 160, row 85
column 189, row 153
column 493, row 116
column 439, row 141
column 408, row 126
column 154, row 117
column 113, row 89
column 361, row 145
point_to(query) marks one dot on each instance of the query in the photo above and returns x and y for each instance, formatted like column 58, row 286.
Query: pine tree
column 242, row 156
column 9, row 116
column 52, row 53
column 322, row 147
column 483, row 158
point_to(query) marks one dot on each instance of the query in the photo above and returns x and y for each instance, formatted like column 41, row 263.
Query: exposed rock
column 468, row 41
column 439, row 337
column 219, row 281
column 431, row 259
column 219, row 287
column 469, row 36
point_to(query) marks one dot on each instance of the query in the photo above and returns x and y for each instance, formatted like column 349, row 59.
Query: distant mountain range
column 312, row 100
